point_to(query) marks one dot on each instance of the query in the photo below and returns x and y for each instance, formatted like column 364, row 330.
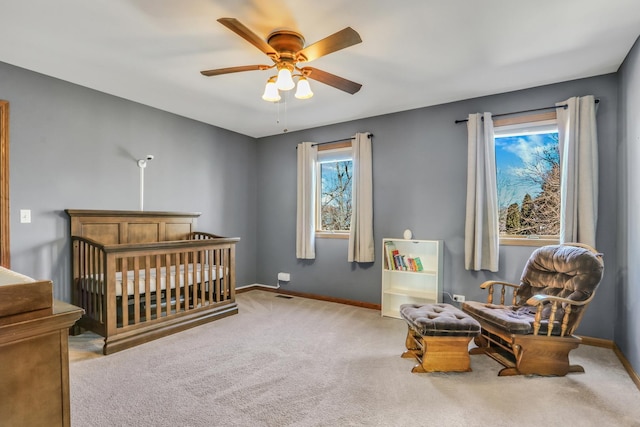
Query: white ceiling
column 414, row 53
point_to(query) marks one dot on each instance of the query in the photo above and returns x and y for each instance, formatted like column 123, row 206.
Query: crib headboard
column 116, row 227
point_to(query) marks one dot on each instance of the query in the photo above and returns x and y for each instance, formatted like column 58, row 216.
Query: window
column 333, row 193
column 528, row 179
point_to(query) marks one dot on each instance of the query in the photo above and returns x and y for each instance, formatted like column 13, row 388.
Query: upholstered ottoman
column 438, row 337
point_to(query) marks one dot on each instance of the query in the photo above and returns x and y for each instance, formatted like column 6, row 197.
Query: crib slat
column 185, row 275
column 217, row 281
column 124, row 268
column 99, row 284
column 147, row 287
column 91, row 282
column 202, row 274
column 84, row 295
column 170, row 291
column 177, row 281
column 91, row 291
column 158, row 290
column 136, row 290
column 202, row 261
column 194, row 276
column 77, row 278
column 231, row 273
column 211, row 270
column 144, row 302
column 223, row 263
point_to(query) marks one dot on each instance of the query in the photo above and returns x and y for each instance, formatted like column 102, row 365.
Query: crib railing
column 125, row 287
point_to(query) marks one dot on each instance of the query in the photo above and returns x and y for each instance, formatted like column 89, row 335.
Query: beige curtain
column 361, row 244
column 481, row 223
column 578, row 143
column 305, row 223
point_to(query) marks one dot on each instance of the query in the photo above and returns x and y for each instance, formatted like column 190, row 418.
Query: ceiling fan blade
column 230, row 70
column 244, row 32
column 331, row 80
column 336, row 41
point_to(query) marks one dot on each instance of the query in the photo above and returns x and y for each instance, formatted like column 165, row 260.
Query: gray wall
column 627, row 326
column 419, row 183
column 72, row 147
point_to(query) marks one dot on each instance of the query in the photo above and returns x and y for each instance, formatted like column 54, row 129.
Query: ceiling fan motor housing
column 287, row 44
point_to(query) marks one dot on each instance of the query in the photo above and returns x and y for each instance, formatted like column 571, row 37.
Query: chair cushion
column 514, row 319
column 439, row 320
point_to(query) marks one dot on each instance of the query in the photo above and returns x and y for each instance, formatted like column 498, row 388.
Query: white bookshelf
column 411, row 285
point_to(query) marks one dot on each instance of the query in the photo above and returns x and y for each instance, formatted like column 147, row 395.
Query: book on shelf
column 411, row 263
column 397, row 263
column 389, row 251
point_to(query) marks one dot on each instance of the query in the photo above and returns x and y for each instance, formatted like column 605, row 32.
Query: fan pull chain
column 285, row 130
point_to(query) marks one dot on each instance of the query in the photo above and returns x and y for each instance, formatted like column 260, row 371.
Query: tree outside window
column 335, row 195
column 334, row 176
column 528, row 178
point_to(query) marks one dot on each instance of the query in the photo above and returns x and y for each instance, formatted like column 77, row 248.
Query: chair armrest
column 567, row 306
column 540, row 299
column 489, row 286
column 497, row 282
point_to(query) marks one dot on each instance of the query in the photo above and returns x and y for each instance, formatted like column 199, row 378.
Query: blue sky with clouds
column 512, row 154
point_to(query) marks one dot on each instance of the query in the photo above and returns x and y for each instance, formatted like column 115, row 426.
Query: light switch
column 25, row 216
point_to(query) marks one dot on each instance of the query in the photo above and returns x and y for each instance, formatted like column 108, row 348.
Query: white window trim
column 327, row 153
column 502, row 128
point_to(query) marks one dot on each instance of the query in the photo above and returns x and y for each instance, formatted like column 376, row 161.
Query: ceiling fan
column 287, row 50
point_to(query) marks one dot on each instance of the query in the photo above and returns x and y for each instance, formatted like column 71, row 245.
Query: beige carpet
column 301, row 362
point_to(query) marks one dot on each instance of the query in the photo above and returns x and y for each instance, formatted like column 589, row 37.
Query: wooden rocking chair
column 534, row 334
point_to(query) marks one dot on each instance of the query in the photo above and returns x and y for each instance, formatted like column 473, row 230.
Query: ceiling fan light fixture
column 285, row 80
column 304, row 90
column 271, row 93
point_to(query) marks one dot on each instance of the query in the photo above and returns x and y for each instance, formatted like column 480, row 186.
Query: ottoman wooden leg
column 443, row 354
column 413, row 344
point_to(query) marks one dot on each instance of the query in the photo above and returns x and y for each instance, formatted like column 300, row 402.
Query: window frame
column 531, row 240
column 325, row 234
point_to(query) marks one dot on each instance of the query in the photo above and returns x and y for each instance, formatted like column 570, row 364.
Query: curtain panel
column 305, row 215
column 361, row 244
column 578, row 144
column 481, row 245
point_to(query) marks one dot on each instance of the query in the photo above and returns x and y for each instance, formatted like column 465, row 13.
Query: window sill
column 525, row 241
column 332, row 235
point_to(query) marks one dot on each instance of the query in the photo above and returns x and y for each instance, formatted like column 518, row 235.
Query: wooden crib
column 144, row 275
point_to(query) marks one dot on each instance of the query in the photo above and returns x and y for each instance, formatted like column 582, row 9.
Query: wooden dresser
column 34, row 356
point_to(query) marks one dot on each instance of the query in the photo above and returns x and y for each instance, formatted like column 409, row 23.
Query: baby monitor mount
column 142, row 164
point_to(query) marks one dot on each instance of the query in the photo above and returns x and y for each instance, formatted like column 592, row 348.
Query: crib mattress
column 157, row 281
column 21, row 294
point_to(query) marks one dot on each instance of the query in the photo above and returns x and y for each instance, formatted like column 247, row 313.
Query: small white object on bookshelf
column 411, row 273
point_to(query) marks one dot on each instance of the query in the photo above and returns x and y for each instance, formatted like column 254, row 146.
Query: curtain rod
column 337, row 140
column 524, row 111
